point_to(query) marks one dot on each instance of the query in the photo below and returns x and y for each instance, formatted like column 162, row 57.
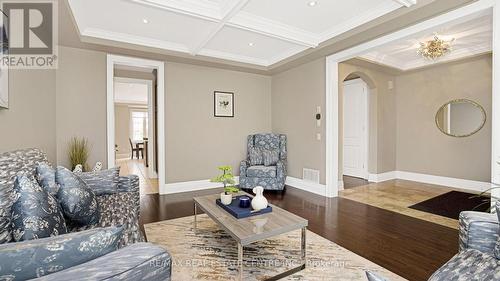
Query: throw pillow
column 32, row 259
column 102, row 182
column 256, row 157
column 46, row 177
column 497, row 248
column 35, row 213
column 78, row 201
column 271, row 157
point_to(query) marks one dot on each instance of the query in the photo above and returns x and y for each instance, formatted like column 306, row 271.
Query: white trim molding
column 112, row 60
column 332, row 84
column 432, row 179
column 382, row 177
column 308, row 186
column 188, row 186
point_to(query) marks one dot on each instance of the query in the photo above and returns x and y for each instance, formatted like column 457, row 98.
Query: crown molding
column 133, row 39
column 420, row 62
column 365, row 17
column 406, row 3
column 284, row 55
column 233, row 57
column 196, row 8
column 275, row 29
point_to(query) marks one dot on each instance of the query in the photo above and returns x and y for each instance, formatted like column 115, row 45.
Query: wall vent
column 310, row 175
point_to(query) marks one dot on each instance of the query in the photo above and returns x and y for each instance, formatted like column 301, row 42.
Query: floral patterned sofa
column 271, row 177
column 133, row 260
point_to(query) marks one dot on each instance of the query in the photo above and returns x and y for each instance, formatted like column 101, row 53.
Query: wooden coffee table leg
column 240, row 260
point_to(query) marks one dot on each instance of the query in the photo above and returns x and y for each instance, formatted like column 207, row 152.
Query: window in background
column 139, row 121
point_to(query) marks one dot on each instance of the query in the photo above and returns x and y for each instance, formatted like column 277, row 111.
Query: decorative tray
column 236, row 211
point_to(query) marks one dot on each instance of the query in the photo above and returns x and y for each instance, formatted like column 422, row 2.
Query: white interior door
column 355, row 128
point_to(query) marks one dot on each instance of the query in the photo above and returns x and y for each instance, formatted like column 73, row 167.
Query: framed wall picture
column 4, row 70
column 223, row 104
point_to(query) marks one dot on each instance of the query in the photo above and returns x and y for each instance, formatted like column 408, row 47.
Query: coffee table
column 252, row 229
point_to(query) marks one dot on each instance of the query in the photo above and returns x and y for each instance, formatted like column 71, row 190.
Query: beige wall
column 396, row 142
column 421, row 147
column 30, row 119
column 295, row 95
column 196, row 141
column 81, row 102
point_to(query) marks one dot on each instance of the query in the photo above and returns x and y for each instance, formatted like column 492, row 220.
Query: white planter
column 226, row 199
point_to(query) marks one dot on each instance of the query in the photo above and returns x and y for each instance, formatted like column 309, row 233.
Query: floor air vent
column 310, row 175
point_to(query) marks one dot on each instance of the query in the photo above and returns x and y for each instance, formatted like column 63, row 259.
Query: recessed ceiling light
column 250, row 44
column 145, row 21
column 312, row 3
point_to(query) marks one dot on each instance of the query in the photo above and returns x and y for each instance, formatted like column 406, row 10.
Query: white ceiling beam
column 227, row 12
column 406, row 3
column 257, row 24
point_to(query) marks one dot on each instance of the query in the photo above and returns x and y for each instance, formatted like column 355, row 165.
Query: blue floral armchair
column 271, row 176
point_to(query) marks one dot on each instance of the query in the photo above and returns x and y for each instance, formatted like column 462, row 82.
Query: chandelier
column 435, row 48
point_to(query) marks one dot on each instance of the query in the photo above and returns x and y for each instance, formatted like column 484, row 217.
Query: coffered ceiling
column 259, row 32
column 473, row 36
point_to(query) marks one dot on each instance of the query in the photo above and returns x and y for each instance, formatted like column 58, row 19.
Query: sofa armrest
column 478, row 231
column 243, row 168
column 128, row 183
column 281, row 170
column 122, row 208
column 140, row 261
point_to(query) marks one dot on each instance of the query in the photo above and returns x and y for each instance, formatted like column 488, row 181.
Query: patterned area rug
column 211, row 254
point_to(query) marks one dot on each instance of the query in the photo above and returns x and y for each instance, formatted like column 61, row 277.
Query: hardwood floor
column 410, row 247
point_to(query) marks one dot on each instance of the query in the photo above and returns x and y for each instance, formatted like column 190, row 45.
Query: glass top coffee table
column 252, row 229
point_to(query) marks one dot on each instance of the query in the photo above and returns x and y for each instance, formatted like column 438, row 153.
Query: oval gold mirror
column 460, row 118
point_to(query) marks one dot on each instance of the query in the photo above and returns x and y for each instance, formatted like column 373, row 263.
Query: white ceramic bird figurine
column 97, row 167
column 78, row 168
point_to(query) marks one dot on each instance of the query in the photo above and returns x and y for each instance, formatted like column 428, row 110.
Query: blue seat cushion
column 261, row 171
column 36, row 258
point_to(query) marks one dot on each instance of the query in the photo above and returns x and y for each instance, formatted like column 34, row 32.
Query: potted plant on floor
column 227, row 179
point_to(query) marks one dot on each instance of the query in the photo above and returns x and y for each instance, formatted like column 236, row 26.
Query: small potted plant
column 227, row 179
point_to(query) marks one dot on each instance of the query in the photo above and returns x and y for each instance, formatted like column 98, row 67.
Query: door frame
column 366, row 133
column 113, row 60
column 332, row 85
column 150, row 109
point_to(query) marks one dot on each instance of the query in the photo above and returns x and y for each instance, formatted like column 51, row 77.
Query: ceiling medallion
column 435, row 48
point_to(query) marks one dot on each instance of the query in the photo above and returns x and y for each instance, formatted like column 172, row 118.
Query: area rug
column 452, row 203
column 211, row 254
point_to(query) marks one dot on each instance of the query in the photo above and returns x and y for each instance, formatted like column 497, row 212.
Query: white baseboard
column 431, row 179
column 308, row 186
column 186, row 186
column 382, row 177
